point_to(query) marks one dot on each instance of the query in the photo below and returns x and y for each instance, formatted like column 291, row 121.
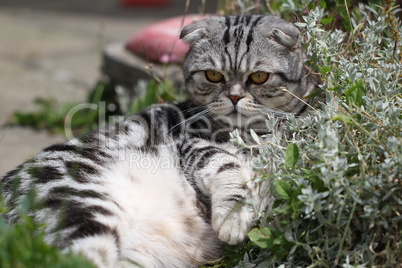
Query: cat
column 165, row 187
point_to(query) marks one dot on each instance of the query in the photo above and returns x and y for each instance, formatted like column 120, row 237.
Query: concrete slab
column 18, row 144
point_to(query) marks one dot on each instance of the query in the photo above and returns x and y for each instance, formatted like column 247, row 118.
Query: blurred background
column 52, row 50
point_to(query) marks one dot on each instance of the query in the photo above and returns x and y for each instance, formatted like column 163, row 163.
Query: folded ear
column 192, row 33
column 199, row 29
column 289, row 40
column 283, row 32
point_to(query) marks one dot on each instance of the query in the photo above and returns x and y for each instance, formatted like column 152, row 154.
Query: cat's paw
column 231, row 225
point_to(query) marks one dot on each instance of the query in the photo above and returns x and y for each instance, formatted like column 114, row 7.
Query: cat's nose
column 235, row 98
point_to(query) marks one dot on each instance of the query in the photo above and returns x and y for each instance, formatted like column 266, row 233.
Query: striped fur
column 164, row 187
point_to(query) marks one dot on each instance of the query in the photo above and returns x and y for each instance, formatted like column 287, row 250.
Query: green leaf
column 281, row 210
column 325, row 69
column 342, row 117
column 314, row 94
column 314, row 178
column 355, row 93
column 295, row 203
column 284, row 189
column 151, row 96
column 262, row 237
column 323, row 4
column 327, row 20
column 271, row 239
column 292, row 155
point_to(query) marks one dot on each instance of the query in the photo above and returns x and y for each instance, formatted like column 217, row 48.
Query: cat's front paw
column 231, row 224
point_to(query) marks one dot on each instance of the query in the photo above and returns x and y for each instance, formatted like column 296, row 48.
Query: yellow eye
column 259, row 77
column 214, row 76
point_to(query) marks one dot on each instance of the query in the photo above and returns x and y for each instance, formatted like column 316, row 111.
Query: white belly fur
column 159, row 225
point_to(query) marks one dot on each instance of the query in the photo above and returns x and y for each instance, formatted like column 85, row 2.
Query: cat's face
column 242, row 67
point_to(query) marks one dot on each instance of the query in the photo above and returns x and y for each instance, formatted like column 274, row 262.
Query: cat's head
column 241, row 67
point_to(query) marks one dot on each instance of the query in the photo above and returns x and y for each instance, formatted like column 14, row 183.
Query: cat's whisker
column 274, row 111
column 198, row 107
column 184, row 112
column 191, row 119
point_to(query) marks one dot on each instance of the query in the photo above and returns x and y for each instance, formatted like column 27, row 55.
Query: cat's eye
column 259, row 77
column 214, row 76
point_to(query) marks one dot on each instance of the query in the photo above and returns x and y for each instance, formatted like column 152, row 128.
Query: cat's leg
column 231, row 219
column 222, row 178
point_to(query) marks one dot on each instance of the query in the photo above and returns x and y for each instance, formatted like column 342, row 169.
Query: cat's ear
column 289, row 39
column 192, row 33
column 283, row 32
column 200, row 29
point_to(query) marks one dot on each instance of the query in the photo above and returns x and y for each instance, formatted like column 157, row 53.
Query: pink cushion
column 160, row 42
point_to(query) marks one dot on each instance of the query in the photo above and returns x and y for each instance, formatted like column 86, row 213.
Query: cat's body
column 162, row 188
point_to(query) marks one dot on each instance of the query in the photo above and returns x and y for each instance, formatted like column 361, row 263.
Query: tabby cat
column 164, row 188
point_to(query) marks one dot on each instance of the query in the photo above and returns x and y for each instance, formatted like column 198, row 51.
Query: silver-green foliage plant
column 336, row 176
